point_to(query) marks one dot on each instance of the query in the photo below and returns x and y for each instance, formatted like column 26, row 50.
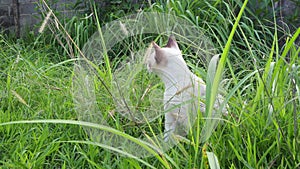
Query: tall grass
column 39, row 126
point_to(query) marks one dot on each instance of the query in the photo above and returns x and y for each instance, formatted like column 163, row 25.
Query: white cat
column 184, row 91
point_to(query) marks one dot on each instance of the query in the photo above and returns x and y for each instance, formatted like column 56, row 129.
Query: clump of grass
column 263, row 94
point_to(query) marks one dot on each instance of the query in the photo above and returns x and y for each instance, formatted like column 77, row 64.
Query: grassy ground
column 262, row 80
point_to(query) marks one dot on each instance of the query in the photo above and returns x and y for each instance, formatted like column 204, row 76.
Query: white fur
column 184, row 91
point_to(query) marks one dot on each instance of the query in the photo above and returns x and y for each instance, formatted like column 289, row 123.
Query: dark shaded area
column 16, row 16
column 288, row 18
column 16, row 9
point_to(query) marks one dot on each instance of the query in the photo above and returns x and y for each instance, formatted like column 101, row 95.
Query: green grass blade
column 214, row 88
column 213, row 160
column 112, row 149
column 143, row 144
column 105, row 55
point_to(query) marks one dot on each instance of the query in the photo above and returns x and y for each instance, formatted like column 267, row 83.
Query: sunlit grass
column 39, row 127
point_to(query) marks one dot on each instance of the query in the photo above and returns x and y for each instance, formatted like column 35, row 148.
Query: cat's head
column 160, row 58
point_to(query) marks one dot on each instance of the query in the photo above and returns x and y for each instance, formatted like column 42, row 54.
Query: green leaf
column 213, row 160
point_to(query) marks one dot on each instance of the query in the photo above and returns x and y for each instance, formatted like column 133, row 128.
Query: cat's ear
column 159, row 56
column 172, row 43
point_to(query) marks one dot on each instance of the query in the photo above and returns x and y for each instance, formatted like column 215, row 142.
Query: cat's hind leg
column 170, row 125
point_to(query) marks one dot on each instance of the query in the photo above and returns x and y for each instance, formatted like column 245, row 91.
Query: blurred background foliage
column 260, row 15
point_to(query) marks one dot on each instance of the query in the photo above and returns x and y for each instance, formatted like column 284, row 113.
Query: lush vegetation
column 39, row 126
